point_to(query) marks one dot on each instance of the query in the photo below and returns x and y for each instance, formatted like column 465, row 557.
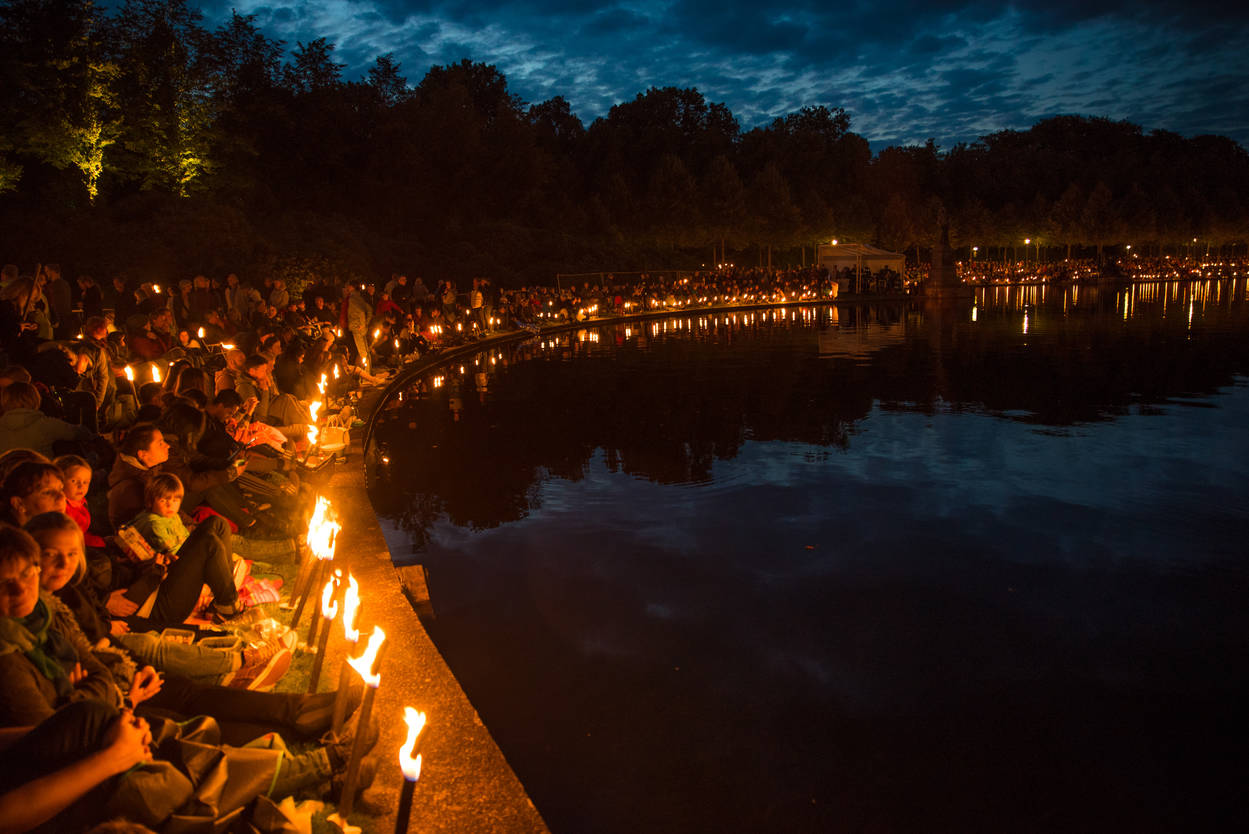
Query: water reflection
column 832, row 568
column 651, row 395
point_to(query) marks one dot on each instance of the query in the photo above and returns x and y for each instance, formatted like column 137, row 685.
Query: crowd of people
column 145, row 429
column 150, row 457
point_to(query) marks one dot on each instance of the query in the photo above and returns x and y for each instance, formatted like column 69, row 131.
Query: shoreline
column 466, row 783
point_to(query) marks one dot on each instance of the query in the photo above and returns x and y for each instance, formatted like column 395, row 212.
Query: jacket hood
column 17, row 419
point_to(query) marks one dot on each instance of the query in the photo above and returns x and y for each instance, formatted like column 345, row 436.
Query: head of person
column 77, row 474
column 149, row 392
column 163, row 495
column 95, row 328
column 225, row 405
column 145, row 443
column 19, row 395
column 256, row 366
column 193, row 379
column 32, row 488
column 62, row 552
column 19, row 572
column 182, row 424
column 162, row 320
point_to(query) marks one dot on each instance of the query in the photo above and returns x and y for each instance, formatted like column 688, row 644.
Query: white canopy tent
column 858, row 256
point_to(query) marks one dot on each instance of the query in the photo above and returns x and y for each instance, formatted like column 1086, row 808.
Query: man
column 156, row 339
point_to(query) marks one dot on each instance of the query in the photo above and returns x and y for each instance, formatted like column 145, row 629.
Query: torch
column 321, row 538
column 369, row 667
column 411, row 767
column 329, row 610
column 351, row 615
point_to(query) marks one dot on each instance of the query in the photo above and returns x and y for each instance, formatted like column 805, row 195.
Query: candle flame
column 410, row 766
column 200, row 332
column 156, row 288
column 351, row 609
column 335, row 372
column 329, row 605
column 155, row 374
column 226, row 346
column 130, row 373
column 364, row 663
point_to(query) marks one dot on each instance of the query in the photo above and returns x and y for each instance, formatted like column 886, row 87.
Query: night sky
column 904, row 70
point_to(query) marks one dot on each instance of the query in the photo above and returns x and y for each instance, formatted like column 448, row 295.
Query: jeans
column 193, row 662
column 203, row 559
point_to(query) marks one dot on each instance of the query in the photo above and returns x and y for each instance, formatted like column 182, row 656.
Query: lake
column 892, row 567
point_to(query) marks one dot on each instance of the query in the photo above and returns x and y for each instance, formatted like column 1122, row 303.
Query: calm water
column 851, row 569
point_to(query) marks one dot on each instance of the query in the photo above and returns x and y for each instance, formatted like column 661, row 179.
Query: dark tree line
column 140, row 140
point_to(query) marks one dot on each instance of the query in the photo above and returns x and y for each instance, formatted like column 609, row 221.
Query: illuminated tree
column 63, row 108
column 165, row 94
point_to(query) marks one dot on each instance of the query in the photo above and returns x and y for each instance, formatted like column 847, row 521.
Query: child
column 160, row 523
column 194, row 558
column 61, row 546
column 77, row 482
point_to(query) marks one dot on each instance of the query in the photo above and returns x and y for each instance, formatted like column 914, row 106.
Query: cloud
column 904, row 69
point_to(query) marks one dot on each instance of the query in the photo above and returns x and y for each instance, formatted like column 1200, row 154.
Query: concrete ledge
column 466, row 784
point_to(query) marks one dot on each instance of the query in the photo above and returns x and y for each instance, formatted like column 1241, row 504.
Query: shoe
column 222, row 613
column 262, row 669
column 364, row 779
column 339, row 747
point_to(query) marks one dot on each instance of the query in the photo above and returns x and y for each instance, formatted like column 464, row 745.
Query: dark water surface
column 886, row 568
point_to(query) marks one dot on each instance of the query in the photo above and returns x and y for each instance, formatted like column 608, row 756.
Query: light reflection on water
column 905, row 568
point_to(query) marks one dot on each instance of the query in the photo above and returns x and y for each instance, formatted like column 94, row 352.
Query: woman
column 31, row 488
column 46, row 663
column 204, row 559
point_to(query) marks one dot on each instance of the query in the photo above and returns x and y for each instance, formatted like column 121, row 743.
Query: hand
column 77, row 674
column 128, row 742
column 250, row 403
column 146, row 683
column 118, row 628
column 119, row 606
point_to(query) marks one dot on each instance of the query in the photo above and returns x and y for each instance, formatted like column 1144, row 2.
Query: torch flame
column 411, row 766
column 322, row 530
column 364, row 663
column 351, row 609
column 329, row 605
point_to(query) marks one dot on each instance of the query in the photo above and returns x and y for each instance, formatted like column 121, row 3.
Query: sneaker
column 263, row 666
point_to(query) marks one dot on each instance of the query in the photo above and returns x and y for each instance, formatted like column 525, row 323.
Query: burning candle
column 410, row 766
column 130, row 373
column 369, row 667
column 155, row 373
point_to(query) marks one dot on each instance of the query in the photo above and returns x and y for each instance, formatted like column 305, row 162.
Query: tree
column 165, row 96
column 63, row 111
column 385, row 79
column 313, row 68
